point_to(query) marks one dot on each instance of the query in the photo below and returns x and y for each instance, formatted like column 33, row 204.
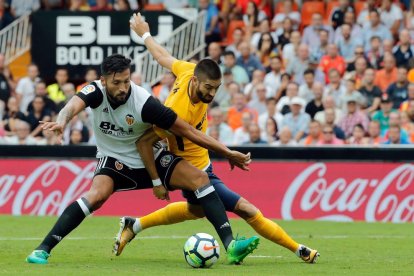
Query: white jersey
column 117, row 128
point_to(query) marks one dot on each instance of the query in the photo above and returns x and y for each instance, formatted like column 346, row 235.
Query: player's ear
column 194, row 79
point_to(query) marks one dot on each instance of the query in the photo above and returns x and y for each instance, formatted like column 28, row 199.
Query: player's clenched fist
column 138, row 24
column 240, row 160
column 55, row 127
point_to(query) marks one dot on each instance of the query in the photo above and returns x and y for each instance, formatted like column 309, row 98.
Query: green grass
column 346, row 248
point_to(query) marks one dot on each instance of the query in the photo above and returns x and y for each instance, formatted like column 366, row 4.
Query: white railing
column 185, row 42
column 15, row 38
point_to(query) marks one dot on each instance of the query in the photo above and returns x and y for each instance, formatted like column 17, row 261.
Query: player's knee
column 96, row 199
column 200, row 179
column 245, row 209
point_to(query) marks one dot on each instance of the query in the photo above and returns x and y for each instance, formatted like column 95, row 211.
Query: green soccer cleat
column 38, row 257
column 240, row 248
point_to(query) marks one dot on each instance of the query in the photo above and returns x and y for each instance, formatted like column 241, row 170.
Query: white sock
column 137, row 226
column 298, row 250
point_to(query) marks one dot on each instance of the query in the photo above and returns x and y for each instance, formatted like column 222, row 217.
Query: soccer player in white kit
column 122, row 113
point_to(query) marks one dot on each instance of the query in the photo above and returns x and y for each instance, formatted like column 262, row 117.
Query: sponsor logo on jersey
column 129, row 119
column 166, row 160
column 109, row 128
column 118, row 165
column 88, row 89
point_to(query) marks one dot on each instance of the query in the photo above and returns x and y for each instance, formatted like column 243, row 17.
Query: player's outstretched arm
column 72, row 108
column 161, row 55
column 238, row 159
column 144, row 147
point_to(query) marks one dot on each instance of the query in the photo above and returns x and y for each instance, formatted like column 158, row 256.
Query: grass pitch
column 346, row 248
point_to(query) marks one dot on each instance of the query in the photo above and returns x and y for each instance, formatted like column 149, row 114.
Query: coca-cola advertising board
column 340, row 191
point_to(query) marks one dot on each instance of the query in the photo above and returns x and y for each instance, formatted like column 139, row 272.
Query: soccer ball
column 201, row 250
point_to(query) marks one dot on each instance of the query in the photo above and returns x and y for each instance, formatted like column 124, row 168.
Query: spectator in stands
column 338, row 13
column 77, row 124
column 391, row 16
column 69, row 91
column 328, row 137
column 315, row 105
column 102, row 5
column 214, row 52
column 360, row 66
column 410, row 97
column 241, row 134
column 385, row 77
column 90, row 75
column 358, row 136
column 25, row 90
column 224, row 93
column 22, row 135
column 39, row 113
column 287, row 12
column 403, row 51
column 374, row 131
column 290, row 49
column 254, row 135
column 398, row 91
column 48, row 138
column 375, row 28
column 388, row 45
column 5, row 81
column 382, row 115
column 40, row 90
column 353, row 117
column 284, row 34
column 330, row 119
column 292, row 91
column 311, row 33
column 315, row 134
column 238, row 37
column 122, row 5
column 363, row 17
column 270, row 113
column 54, row 4
column 75, row 137
column 273, row 78
column 321, row 50
column 270, row 133
column 332, row 61
column 250, row 88
column 162, row 90
column 296, row 120
column 285, row 138
column 137, row 79
column 370, row 92
column 212, row 31
column 407, row 125
column 347, row 44
column 79, row 5
column 12, row 115
column 298, row 65
column 409, row 19
column 253, row 16
column 335, row 88
column 395, row 119
column 239, row 106
column 214, row 132
column 329, row 103
column 217, row 120
column 229, row 63
column 305, row 89
column 375, row 54
column 259, row 104
column 356, row 30
column 265, row 49
column 248, row 60
column 55, row 90
column 359, row 52
column 20, row 7
column 394, row 136
column 351, row 92
column 5, row 16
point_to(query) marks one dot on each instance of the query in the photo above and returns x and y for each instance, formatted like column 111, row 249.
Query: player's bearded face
column 117, row 86
column 206, row 90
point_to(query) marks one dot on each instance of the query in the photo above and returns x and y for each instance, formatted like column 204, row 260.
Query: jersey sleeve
column 180, row 66
column 155, row 113
column 91, row 95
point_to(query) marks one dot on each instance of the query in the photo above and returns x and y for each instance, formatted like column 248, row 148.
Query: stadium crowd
column 294, row 73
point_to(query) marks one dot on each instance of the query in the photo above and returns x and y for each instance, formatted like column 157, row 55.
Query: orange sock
column 272, row 231
column 170, row 214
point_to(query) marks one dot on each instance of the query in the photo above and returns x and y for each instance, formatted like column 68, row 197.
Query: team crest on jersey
column 166, row 160
column 118, row 165
column 88, row 89
column 129, row 119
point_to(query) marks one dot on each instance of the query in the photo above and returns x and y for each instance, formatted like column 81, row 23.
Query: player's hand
column 138, row 24
column 161, row 192
column 55, row 127
column 240, row 160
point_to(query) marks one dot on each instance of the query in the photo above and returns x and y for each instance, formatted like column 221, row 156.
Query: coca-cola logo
column 315, row 191
column 41, row 192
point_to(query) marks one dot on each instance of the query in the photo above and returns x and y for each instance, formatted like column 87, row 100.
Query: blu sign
column 77, row 41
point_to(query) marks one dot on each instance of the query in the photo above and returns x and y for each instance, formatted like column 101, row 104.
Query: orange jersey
column 194, row 114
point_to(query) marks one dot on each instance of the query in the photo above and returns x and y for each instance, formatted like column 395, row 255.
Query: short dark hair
column 229, row 53
column 309, row 71
column 115, row 63
column 207, row 69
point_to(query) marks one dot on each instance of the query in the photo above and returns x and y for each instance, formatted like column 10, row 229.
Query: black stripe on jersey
column 155, row 113
column 93, row 98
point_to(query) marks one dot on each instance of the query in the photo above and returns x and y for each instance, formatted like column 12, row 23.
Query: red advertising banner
column 341, row 191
